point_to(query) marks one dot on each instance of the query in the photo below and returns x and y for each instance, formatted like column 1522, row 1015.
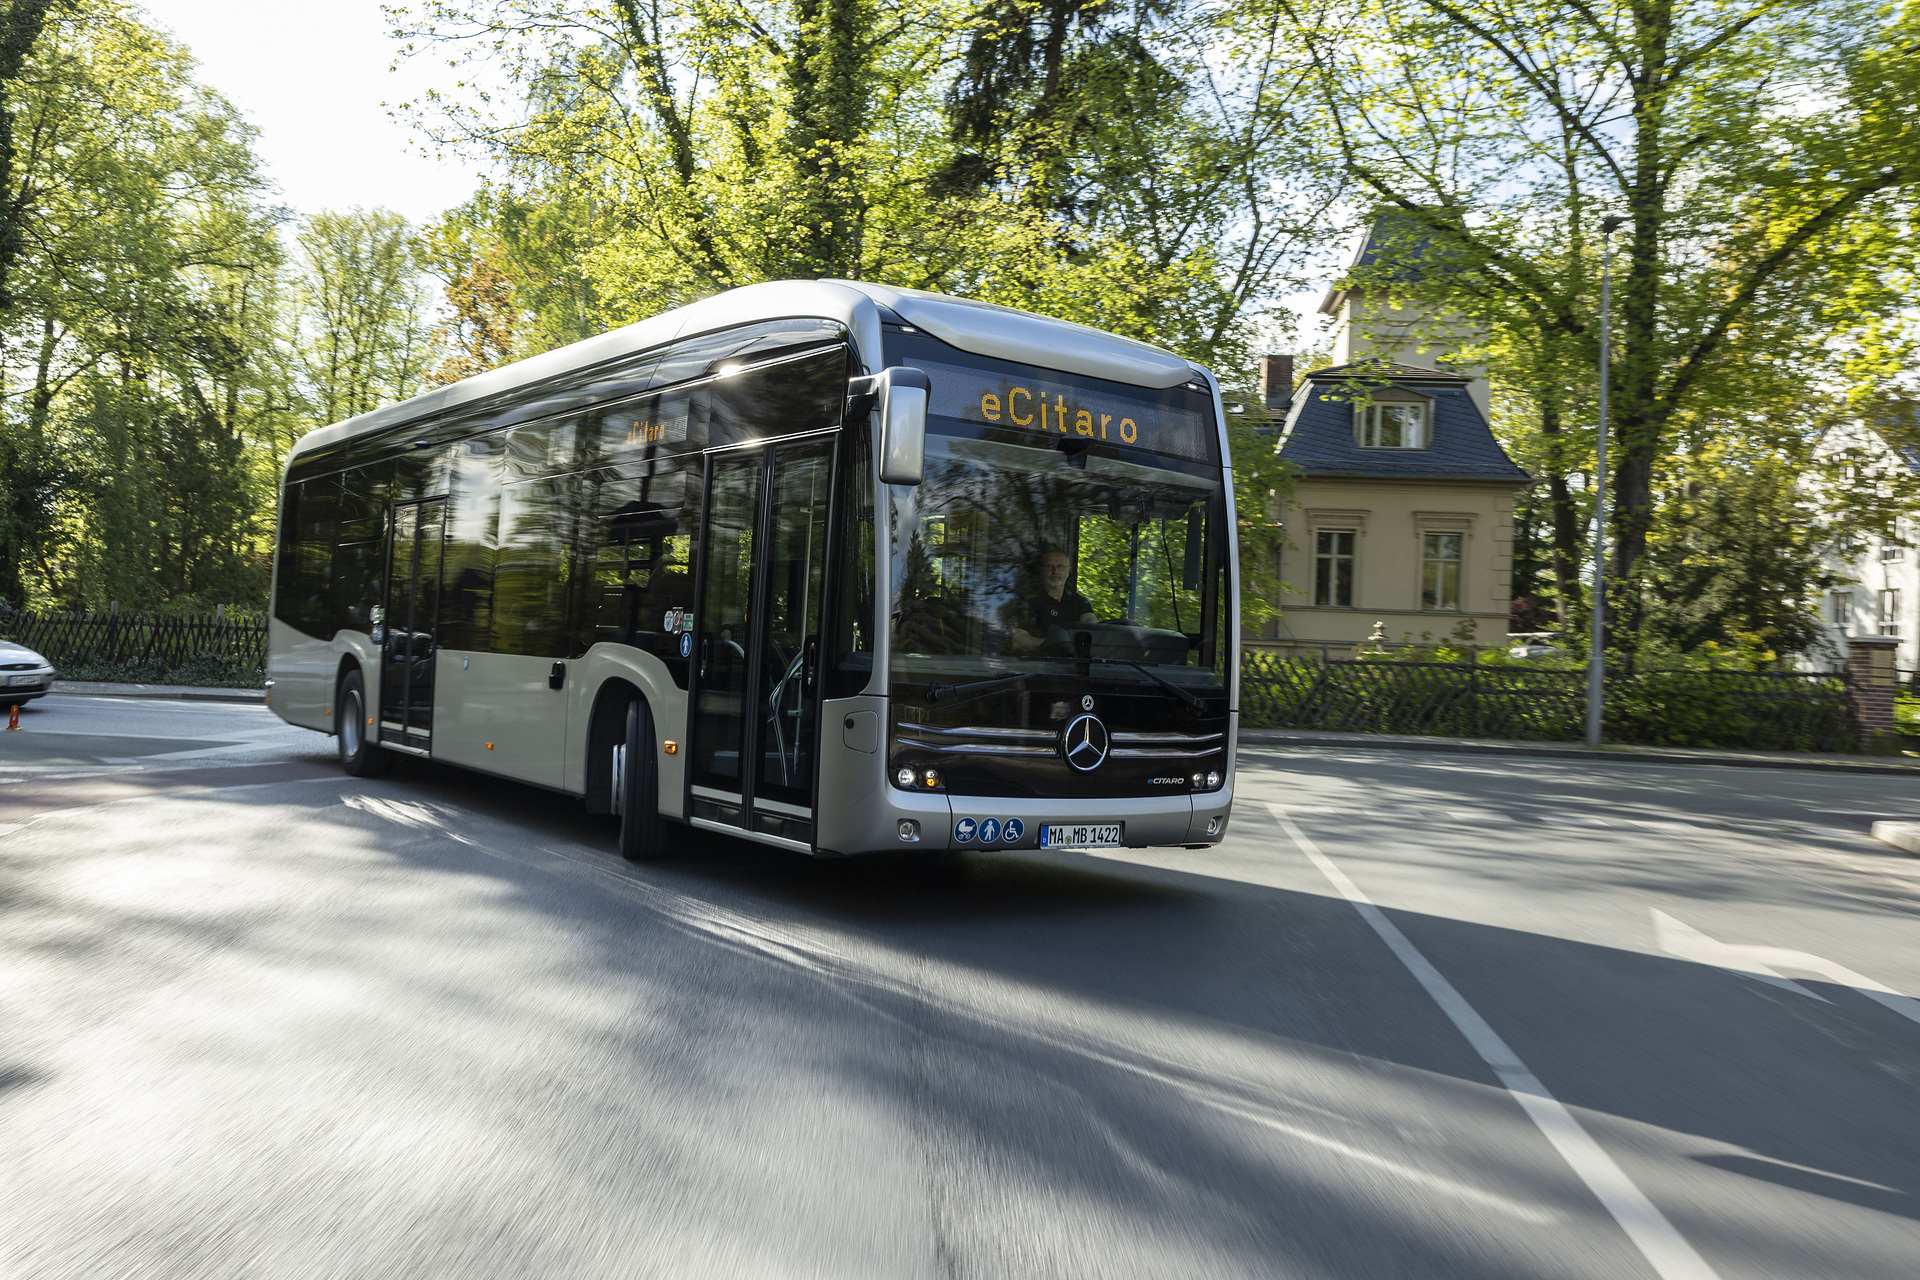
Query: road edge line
column 1659, row 1241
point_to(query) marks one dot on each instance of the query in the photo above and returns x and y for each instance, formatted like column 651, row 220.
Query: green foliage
column 163, row 353
column 1763, row 162
column 1072, row 159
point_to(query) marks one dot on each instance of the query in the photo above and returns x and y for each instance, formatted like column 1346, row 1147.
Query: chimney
column 1276, row 382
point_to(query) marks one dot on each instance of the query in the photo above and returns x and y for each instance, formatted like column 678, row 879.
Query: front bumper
column 933, row 819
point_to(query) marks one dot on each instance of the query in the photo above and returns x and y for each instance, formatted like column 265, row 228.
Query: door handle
column 557, row 675
column 706, row 655
column 810, row 663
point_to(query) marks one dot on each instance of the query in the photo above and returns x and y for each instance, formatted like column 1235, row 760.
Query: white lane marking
column 1572, row 820
column 1476, row 815
column 1685, row 941
column 1664, row 1248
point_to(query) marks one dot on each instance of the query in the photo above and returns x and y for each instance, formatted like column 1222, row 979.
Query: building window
column 1840, row 608
column 1333, row 568
column 1890, row 612
column 1440, row 570
column 1892, row 550
column 1393, row 426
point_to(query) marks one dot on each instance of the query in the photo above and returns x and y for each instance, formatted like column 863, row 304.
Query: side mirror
column 903, row 397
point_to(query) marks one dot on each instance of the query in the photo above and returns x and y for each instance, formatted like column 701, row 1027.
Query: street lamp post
column 1597, row 654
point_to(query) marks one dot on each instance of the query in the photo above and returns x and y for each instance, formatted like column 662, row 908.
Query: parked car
column 24, row 674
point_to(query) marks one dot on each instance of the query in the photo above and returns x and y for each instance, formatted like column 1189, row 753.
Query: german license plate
column 13, row 680
column 1081, row 835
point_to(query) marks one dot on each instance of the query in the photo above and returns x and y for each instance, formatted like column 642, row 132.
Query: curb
column 172, row 692
column 1904, row 836
column 1628, row 755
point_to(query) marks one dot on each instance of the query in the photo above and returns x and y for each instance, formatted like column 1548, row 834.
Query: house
column 1402, row 516
column 1878, row 578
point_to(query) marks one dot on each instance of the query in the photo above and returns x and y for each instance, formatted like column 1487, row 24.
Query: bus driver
column 1052, row 606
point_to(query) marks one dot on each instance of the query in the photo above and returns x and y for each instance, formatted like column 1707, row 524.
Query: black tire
column 359, row 756
column 636, row 788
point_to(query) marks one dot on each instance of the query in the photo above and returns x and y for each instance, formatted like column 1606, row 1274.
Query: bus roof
column 979, row 327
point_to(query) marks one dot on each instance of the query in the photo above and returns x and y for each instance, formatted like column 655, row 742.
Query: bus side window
column 806, row 394
column 313, row 573
column 359, row 556
column 531, row 566
column 852, row 624
column 472, row 545
column 286, row 589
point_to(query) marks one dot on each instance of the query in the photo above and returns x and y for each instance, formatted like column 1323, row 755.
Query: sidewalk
column 181, row 692
column 1573, row 751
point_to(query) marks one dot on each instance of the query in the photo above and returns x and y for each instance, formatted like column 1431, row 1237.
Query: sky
column 312, row 78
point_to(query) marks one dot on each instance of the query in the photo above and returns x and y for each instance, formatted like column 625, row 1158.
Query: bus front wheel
column 636, row 789
column 359, row 755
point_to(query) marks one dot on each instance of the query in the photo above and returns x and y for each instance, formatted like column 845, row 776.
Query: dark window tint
column 531, row 571
column 287, row 566
column 852, row 653
column 804, row 394
column 311, row 605
column 636, row 556
column 472, row 543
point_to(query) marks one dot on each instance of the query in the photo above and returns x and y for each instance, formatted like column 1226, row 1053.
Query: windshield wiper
column 936, row 691
column 1195, row 703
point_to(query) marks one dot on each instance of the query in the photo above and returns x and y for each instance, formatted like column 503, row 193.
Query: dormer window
column 1394, row 419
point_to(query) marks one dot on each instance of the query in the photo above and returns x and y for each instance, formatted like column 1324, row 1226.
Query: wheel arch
column 348, row 665
column 606, row 725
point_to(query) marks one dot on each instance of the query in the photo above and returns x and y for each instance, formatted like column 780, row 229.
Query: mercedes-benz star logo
column 1084, row 743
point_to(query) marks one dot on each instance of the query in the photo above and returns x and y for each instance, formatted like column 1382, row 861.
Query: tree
column 139, row 392
column 1763, row 159
column 361, row 338
column 678, row 150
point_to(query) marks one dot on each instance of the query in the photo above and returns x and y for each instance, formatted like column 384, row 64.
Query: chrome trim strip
column 721, row 828
column 1162, row 753
column 984, row 731
column 1169, row 738
column 980, row 748
column 708, row 793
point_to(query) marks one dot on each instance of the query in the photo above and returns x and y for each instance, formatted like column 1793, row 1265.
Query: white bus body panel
column 301, row 669
column 500, row 699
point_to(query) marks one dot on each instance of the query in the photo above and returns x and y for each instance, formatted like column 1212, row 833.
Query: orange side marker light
column 489, row 746
column 672, row 748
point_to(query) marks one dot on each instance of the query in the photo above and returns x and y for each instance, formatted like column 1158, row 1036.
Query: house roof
column 1319, row 436
column 1399, row 246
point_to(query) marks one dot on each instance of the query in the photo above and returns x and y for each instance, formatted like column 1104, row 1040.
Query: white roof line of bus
column 979, row 327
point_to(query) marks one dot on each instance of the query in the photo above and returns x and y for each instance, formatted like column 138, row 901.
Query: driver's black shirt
column 1042, row 611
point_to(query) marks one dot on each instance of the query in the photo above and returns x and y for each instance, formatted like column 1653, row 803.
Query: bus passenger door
column 411, row 625
column 757, row 638
column 722, row 634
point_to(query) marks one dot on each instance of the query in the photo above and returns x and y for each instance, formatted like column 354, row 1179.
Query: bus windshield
column 1024, row 554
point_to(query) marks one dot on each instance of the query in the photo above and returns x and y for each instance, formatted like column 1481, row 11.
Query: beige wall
column 1418, row 336
column 1388, row 518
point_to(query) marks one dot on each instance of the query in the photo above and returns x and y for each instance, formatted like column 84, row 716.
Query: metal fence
column 1757, row 710
column 143, row 643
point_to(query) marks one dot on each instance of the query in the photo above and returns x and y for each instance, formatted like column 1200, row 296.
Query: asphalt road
column 1420, row 1016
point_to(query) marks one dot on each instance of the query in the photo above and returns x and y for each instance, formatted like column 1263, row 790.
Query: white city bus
column 826, row 565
